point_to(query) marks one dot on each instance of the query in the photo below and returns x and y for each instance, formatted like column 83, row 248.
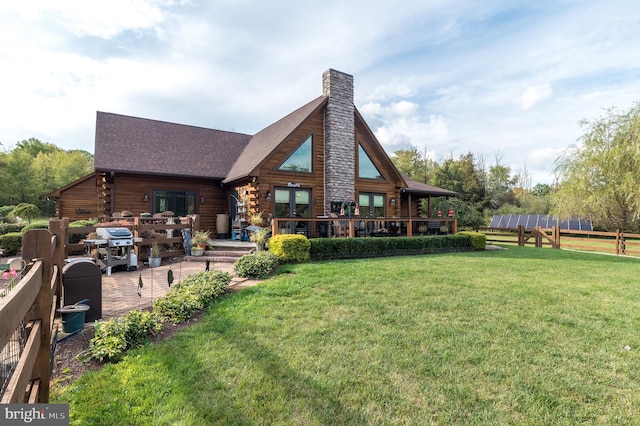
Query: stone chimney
column 339, row 142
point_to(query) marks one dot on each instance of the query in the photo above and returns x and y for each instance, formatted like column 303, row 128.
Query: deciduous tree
column 600, row 176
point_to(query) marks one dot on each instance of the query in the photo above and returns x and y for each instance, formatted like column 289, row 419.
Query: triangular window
column 366, row 168
column 300, row 159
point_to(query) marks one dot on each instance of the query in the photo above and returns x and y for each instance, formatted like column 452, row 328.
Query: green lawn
column 521, row 336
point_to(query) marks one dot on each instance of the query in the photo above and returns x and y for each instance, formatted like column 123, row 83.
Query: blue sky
column 507, row 81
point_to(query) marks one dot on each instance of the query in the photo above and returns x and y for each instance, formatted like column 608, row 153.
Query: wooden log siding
column 269, row 177
column 79, row 201
column 129, row 190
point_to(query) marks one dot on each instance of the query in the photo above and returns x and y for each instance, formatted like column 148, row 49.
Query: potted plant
column 200, row 239
column 256, row 218
column 196, row 250
column 260, row 237
column 155, row 257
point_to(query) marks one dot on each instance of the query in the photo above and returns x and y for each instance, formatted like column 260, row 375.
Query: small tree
column 25, row 210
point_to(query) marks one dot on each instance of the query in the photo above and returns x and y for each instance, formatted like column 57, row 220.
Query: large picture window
column 180, row 203
column 366, row 168
column 301, row 159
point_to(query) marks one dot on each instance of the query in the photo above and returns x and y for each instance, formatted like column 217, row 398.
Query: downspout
column 112, row 175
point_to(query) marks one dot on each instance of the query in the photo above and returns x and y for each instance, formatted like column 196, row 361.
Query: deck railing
column 350, row 227
column 169, row 235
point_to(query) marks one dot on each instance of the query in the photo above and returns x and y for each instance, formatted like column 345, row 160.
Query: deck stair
column 227, row 251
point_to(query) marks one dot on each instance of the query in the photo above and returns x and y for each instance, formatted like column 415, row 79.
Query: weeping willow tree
column 600, row 175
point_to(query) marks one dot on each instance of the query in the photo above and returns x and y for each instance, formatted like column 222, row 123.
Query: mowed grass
column 521, row 336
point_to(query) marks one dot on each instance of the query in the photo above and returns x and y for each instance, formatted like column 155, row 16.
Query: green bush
column 39, row 224
column 76, row 238
column 256, row 265
column 114, row 337
column 477, row 239
column 347, row 248
column 5, row 228
column 4, row 213
column 190, row 295
column 290, row 248
column 11, row 243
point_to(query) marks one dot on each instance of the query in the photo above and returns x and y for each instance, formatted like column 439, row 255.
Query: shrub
column 76, row 238
column 5, row 228
column 190, row 295
column 39, row 224
column 4, row 213
column 256, row 265
column 477, row 239
column 11, row 243
column 347, row 248
column 114, row 337
column 290, row 248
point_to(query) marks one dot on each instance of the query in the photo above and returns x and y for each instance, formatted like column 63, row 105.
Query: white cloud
column 534, row 95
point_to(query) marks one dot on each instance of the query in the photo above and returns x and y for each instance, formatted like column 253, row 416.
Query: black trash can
column 82, row 279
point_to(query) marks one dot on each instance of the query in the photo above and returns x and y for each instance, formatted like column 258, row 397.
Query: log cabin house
column 314, row 162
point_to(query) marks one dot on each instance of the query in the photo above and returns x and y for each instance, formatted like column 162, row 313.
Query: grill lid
column 113, row 233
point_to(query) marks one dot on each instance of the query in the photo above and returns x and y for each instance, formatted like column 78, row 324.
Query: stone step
column 218, row 256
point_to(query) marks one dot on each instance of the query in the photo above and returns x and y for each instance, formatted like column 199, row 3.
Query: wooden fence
column 618, row 242
column 33, row 301
column 167, row 235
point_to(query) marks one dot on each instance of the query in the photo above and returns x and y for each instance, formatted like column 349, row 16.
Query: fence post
column 36, row 244
column 60, row 228
column 623, row 248
column 617, row 241
column 520, row 235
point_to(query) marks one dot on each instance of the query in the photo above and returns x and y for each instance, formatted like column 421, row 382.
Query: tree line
column 597, row 178
column 483, row 190
column 32, row 169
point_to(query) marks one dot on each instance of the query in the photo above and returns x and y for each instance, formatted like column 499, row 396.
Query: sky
column 508, row 81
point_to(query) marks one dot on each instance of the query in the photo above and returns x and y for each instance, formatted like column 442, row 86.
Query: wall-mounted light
column 268, row 195
column 392, row 201
column 145, row 198
column 202, row 199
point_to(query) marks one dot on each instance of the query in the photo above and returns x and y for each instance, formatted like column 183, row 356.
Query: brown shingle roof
column 139, row 145
column 267, row 140
column 422, row 188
